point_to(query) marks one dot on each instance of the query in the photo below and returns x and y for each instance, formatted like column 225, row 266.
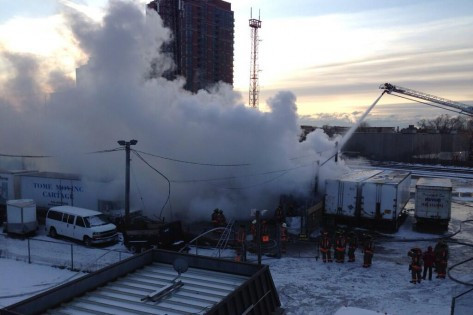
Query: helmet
column 253, row 222
column 284, row 225
column 216, row 210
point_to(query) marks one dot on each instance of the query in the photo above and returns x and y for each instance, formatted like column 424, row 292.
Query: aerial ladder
column 456, row 107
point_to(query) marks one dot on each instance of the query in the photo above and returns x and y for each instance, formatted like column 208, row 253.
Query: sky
column 332, row 55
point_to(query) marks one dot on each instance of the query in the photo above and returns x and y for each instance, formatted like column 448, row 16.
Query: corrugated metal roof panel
column 202, row 290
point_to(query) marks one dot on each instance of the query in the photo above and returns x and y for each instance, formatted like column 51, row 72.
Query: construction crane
column 460, row 108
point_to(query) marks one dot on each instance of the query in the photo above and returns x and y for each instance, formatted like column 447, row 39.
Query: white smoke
column 114, row 99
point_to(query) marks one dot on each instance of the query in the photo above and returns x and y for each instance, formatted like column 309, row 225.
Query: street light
column 127, row 179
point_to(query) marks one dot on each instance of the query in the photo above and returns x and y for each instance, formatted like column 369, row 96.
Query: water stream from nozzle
column 352, row 130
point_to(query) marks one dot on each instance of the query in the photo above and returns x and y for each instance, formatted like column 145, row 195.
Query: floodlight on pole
column 127, row 145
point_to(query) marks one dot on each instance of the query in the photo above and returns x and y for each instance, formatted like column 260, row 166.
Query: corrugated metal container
column 433, row 200
column 21, row 216
column 384, row 196
column 342, row 195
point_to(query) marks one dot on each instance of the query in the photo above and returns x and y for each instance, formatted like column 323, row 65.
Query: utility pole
column 127, row 145
column 258, row 235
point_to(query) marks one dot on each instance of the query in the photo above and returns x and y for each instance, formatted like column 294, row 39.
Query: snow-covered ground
column 306, row 285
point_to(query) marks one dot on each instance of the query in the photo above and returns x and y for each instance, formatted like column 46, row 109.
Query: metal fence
column 59, row 254
column 462, row 304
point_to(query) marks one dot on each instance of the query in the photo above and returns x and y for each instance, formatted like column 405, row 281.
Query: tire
column 52, row 232
column 87, row 241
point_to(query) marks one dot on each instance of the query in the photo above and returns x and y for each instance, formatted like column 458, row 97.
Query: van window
column 54, row 215
column 80, row 222
column 64, row 218
column 71, row 218
column 96, row 220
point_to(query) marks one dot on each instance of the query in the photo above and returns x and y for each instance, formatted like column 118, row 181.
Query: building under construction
column 203, row 36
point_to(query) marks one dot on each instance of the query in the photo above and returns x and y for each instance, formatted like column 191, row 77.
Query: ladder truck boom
column 393, row 89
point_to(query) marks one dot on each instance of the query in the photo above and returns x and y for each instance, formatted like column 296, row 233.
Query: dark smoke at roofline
column 114, row 99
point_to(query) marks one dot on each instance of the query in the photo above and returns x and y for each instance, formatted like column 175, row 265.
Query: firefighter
column 264, row 232
column 253, row 230
column 240, row 237
column 416, row 264
column 215, row 215
column 221, row 220
column 441, row 260
column 367, row 250
column 428, row 257
column 325, row 248
column 283, row 236
column 279, row 215
column 352, row 245
column 340, row 247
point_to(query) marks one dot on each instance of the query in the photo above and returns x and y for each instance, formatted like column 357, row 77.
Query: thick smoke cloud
column 115, row 99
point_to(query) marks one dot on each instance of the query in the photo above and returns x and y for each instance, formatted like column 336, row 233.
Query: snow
column 20, row 280
column 305, row 284
column 355, row 311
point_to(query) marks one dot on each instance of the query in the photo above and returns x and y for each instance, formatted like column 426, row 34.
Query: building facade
column 203, row 39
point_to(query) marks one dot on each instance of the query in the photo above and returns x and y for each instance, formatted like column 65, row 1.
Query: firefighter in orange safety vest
column 325, row 248
column 416, row 264
column 352, row 246
column 340, row 247
column 368, row 250
column 264, row 232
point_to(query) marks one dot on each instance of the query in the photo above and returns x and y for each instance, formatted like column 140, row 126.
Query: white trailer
column 21, row 216
column 384, row 196
column 342, row 195
column 7, row 180
column 433, row 201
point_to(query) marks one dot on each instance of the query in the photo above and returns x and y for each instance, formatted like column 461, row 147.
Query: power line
column 190, row 162
column 26, row 156
column 164, row 176
column 254, row 185
column 180, row 181
column 53, row 156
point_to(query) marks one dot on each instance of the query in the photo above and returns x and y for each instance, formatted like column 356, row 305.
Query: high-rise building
column 202, row 44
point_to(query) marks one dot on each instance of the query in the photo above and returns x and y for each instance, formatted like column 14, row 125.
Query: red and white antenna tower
column 255, row 24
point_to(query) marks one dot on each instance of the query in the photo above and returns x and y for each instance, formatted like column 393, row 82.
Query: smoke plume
column 114, row 99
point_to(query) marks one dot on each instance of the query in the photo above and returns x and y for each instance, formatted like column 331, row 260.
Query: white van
column 85, row 225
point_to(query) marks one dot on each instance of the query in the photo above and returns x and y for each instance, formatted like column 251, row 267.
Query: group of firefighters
column 218, row 218
column 433, row 258
column 436, row 258
column 340, row 244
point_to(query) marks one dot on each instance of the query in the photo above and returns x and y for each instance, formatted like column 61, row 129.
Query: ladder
column 223, row 241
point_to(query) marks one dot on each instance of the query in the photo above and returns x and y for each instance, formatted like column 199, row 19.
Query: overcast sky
column 332, row 54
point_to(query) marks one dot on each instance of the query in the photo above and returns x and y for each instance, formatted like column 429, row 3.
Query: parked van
column 85, row 225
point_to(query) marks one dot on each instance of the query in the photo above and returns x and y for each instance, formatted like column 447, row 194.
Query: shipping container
column 21, row 216
column 433, row 202
column 342, row 195
column 384, row 196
